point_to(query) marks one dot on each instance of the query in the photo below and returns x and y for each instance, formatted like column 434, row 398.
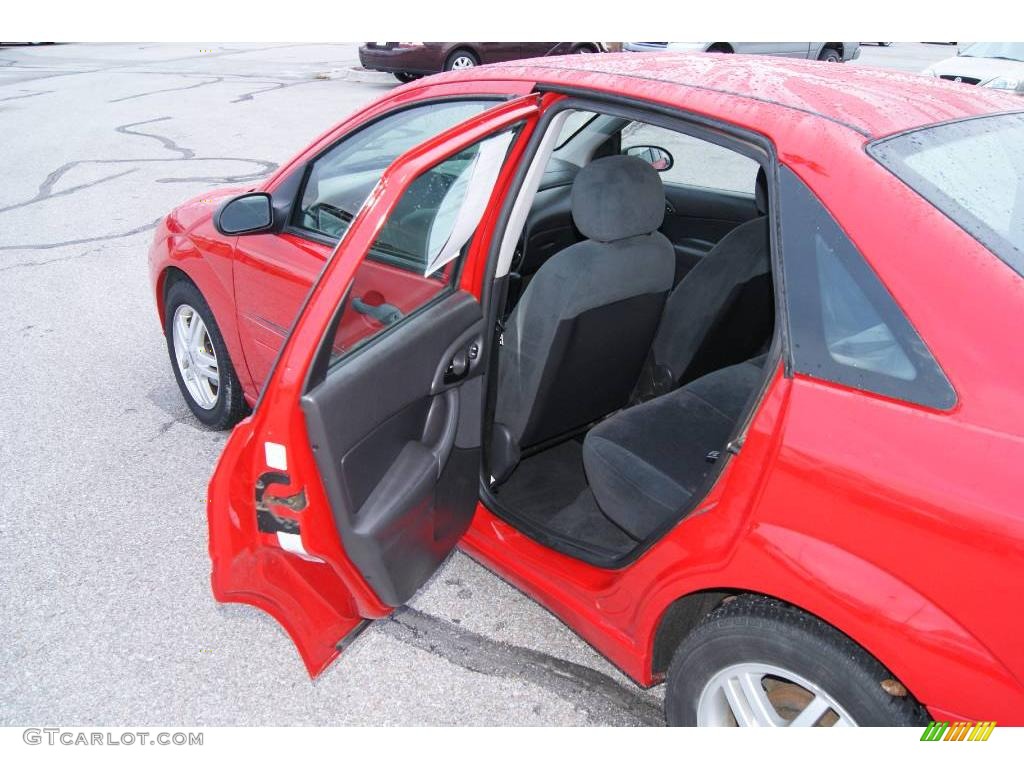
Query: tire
column 585, row 48
column 816, row 660
column 831, row 55
column 719, row 48
column 461, row 59
column 405, row 77
column 227, row 404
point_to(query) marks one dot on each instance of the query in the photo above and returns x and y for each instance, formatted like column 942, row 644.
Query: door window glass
column 339, row 181
column 429, row 229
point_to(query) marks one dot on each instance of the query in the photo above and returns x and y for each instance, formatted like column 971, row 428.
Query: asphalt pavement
column 107, row 613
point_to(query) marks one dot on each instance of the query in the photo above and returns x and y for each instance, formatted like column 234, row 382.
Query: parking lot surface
column 108, row 617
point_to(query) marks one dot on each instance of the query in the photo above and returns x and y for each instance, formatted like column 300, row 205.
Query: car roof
column 873, row 102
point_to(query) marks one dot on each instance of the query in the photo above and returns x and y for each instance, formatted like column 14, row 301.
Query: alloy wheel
column 195, row 356
column 764, row 695
column 463, row 61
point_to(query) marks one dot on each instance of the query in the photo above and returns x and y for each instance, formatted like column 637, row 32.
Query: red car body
column 899, row 525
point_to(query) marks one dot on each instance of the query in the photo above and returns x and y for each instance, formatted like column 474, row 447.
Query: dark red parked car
column 751, row 424
column 408, row 61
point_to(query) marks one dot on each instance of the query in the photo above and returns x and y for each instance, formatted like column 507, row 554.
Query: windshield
column 1012, row 51
column 971, row 170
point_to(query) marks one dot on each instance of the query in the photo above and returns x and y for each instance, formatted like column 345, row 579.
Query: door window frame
column 322, row 365
column 299, row 177
column 744, row 141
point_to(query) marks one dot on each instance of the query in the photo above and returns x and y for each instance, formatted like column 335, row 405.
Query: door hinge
column 266, row 520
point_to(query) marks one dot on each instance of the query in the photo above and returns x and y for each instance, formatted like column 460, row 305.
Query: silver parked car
column 993, row 65
column 820, row 51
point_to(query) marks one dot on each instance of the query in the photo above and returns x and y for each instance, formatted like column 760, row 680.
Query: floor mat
column 545, row 481
column 550, row 490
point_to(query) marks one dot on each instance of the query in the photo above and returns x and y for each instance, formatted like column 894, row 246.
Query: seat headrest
column 617, row 197
column 761, row 192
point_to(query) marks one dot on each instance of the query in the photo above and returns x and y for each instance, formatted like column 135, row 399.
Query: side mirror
column 658, row 158
column 245, row 215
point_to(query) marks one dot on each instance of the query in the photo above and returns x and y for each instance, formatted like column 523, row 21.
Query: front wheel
column 758, row 662
column 461, row 59
column 199, row 357
column 406, row 77
column 831, row 55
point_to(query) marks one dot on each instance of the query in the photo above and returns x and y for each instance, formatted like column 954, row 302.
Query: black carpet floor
column 550, row 490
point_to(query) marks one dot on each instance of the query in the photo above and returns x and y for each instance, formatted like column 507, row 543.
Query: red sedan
column 717, row 358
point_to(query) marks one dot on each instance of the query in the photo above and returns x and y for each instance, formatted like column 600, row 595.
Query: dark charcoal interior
column 549, row 490
column 634, row 345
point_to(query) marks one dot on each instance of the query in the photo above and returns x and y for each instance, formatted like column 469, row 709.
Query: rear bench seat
column 645, row 463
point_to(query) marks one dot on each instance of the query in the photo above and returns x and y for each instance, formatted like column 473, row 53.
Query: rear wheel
column 830, row 55
column 200, row 359
column 406, row 77
column 759, row 662
column 461, row 59
column 585, row 48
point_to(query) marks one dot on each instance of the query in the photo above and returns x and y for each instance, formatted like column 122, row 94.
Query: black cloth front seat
column 721, row 313
column 645, row 463
column 576, row 342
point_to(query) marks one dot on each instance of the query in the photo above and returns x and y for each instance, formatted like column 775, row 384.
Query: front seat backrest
column 576, row 341
column 722, row 312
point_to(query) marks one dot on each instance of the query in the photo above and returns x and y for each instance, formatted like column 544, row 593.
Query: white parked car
column 993, row 65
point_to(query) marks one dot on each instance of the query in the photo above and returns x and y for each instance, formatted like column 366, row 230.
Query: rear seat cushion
column 645, row 463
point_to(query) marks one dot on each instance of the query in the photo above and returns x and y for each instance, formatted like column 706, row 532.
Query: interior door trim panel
column 383, row 431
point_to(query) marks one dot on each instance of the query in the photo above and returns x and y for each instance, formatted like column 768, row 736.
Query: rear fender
column 925, row 647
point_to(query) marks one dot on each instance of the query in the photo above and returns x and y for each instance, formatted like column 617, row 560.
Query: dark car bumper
column 415, row 61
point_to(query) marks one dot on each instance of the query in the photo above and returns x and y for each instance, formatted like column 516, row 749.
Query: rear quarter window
column 844, row 326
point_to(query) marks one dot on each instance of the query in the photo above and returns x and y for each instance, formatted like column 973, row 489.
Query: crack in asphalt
column 45, row 191
column 590, row 690
column 46, row 188
column 168, row 90
column 278, row 85
column 26, row 95
column 169, row 144
column 188, row 154
column 79, row 241
column 43, row 263
column 44, row 66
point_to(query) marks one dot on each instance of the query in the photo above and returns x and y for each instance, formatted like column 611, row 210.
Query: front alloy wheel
column 200, row 359
column 755, row 661
column 195, row 356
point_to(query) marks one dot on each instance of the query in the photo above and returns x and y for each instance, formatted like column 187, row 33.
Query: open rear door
column 358, row 472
